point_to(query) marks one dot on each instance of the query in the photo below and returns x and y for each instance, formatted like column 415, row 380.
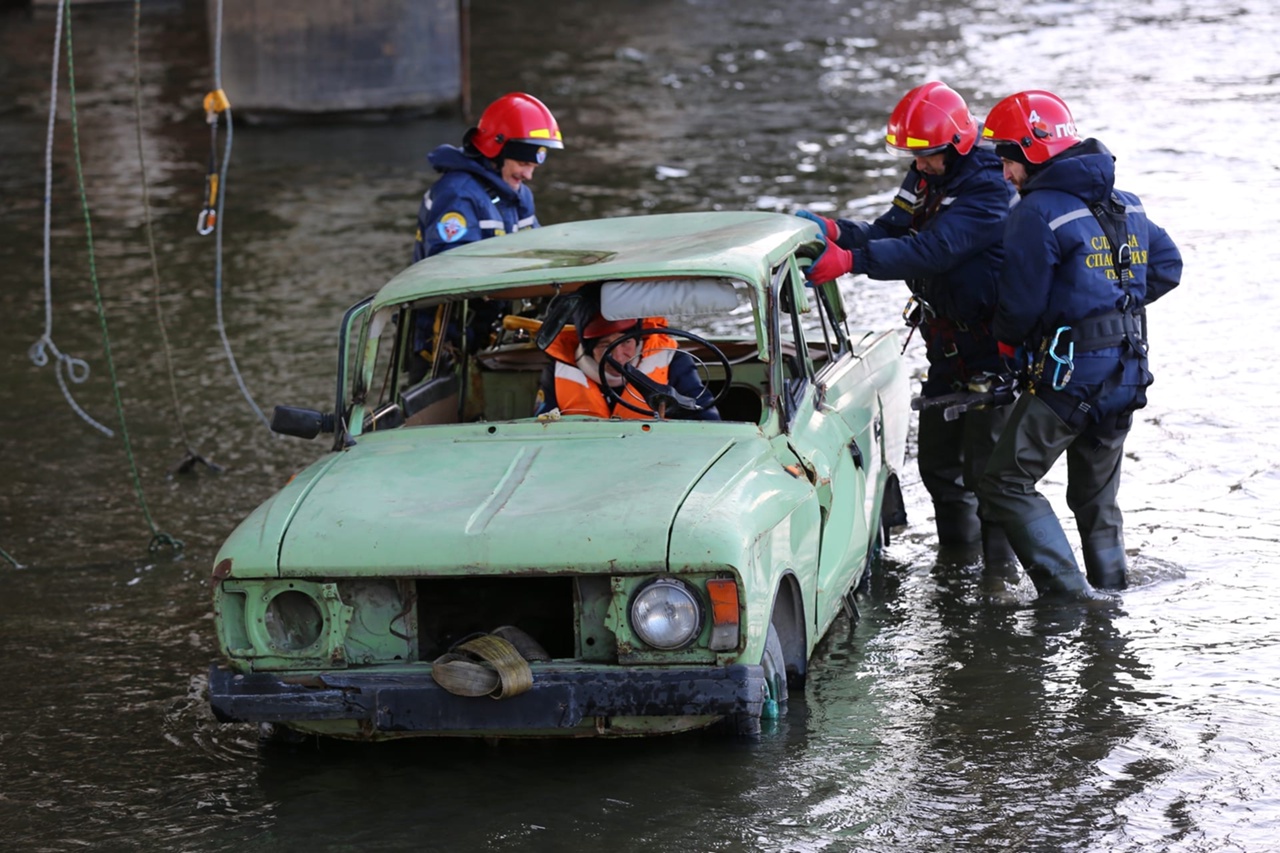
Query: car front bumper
column 412, row 702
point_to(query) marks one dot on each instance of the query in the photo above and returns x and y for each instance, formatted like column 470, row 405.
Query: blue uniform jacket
column 943, row 237
column 1058, row 271
column 469, row 202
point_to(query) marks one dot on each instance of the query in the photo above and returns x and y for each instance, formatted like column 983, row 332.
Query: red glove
column 827, row 227
column 1007, row 351
column 830, row 265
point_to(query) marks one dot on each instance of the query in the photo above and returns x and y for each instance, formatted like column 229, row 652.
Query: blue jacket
column 1058, row 272
column 943, row 237
column 469, row 202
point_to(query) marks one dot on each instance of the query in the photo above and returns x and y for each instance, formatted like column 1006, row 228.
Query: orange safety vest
column 580, row 394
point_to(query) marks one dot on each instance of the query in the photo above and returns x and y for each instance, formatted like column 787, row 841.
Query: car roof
column 744, row 245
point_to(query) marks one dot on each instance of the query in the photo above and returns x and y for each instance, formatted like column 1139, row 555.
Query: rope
column 221, row 190
column 158, row 538
column 16, row 564
column 192, row 458
column 75, row 369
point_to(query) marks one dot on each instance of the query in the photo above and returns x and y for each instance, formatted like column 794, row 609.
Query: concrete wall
column 378, row 57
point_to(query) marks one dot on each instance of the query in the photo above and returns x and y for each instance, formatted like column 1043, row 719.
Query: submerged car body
column 644, row 575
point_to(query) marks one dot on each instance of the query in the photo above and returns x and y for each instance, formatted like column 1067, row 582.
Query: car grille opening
column 451, row 609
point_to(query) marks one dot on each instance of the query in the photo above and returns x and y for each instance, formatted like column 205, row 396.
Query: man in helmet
column 481, row 191
column 1082, row 261
column 942, row 236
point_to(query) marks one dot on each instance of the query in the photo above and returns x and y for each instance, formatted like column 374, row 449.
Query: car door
column 823, row 439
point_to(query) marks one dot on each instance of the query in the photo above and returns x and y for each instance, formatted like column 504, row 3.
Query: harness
column 1125, row 327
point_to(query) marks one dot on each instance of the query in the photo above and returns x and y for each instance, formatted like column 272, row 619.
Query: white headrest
column 671, row 297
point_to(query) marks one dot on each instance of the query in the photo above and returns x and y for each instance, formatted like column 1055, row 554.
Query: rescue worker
column 571, row 382
column 482, row 192
column 942, row 235
column 1082, row 262
column 482, row 189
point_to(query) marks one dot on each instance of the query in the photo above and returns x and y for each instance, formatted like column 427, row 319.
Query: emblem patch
column 452, row 227
column 541, row 155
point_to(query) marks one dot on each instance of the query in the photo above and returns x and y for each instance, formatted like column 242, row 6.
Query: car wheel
column 775, row 702
column 873, row 554
column 775, row 674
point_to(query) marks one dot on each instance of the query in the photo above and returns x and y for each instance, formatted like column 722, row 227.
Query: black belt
column 1111, row 330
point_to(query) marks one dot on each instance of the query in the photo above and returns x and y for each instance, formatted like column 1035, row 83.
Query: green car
column 466, row 561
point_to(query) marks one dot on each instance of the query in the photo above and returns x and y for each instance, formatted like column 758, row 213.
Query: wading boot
column 1045, row 553
column 957, row 524
column 999, row 564
column 1105, row 566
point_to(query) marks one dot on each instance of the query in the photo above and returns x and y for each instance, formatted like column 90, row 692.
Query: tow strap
column 494, row 664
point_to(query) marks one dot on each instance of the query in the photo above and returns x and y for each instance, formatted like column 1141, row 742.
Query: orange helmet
column 928, row 119
column 516, row 126
column 1038, row 123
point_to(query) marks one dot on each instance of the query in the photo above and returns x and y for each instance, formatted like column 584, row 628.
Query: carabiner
column 206, row 221
column 1068, row 362
column 916, row 311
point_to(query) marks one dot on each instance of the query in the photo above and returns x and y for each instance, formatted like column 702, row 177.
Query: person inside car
column 647, row 373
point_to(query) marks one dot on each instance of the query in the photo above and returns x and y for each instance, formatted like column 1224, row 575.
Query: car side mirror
column 300, row 423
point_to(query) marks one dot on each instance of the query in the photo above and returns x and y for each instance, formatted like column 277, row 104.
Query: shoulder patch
column 452, row 227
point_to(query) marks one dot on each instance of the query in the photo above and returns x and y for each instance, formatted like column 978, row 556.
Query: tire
column 775, row 704
column 873, row 554
column 775, row 671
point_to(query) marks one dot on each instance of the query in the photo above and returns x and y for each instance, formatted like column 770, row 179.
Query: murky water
column 937, row 723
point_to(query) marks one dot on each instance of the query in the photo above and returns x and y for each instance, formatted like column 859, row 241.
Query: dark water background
column 939, row 722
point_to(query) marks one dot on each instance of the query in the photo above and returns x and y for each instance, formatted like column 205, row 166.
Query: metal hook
column 1068, row 362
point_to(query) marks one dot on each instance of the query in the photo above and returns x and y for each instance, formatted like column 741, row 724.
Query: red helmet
column 517, row 126
column 599, row 327
column 1038, row 122
column 928, row 119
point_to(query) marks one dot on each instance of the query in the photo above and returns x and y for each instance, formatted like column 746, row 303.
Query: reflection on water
column 941, row 721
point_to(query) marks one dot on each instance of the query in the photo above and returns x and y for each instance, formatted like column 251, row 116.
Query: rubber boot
column 999, row 563
column 997, row 553
column 1045, row 553
column 1105, row 567
column 957, row 523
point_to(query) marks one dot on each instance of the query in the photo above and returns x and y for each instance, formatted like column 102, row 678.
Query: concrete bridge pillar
column 358, row 58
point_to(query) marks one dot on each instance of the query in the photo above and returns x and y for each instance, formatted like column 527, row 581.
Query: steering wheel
column 657, row 395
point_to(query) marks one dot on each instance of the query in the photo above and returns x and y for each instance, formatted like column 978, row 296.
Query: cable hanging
column 192, row 458
column 158, row 538
column 211, row 218
column 75, row 369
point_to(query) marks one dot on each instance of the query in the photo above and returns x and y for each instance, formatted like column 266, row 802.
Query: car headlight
column 666, row 614
column 293, row 621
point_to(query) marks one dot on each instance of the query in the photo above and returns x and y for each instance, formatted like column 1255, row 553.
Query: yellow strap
column 500, row 673
column 514, row 675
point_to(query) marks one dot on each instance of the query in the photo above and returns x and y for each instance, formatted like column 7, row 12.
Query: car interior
column 427, row 371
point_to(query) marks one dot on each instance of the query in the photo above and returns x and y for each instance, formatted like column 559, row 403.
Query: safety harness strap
column 1125, row 325
column 1111, row 330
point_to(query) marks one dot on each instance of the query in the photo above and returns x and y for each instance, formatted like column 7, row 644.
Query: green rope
column 158, row 538
column 16, row 564
column 192, row 457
